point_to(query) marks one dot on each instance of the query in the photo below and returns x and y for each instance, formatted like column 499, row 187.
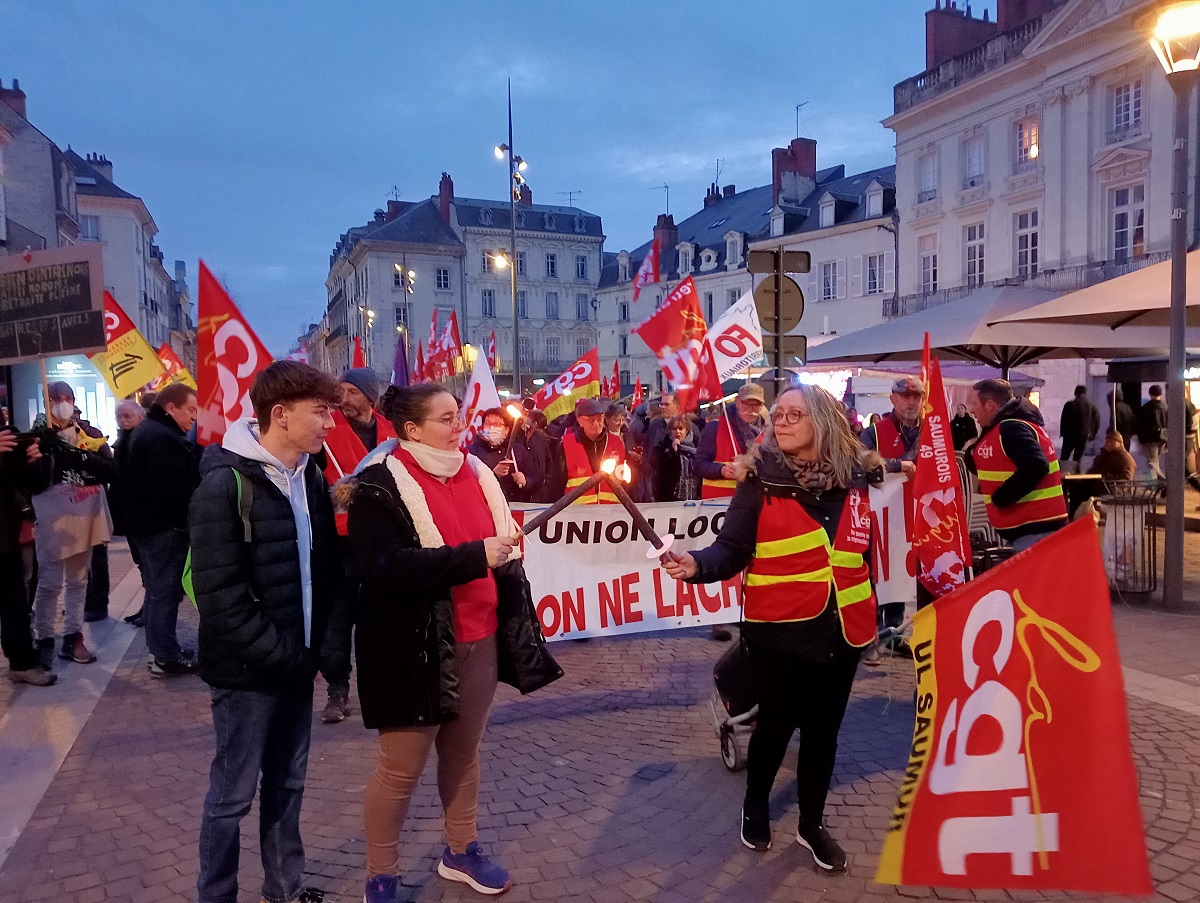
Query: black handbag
column 522, row 657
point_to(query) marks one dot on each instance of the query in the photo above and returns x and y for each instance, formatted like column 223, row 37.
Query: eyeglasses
column 449, row 420
column 790, row 417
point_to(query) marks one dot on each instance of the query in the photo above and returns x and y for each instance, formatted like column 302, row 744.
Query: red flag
column 419, row 375
column 447, row 358
column 229, row 355
column 491, row 350
column 939, row 517
column 638, row 394
column 580, row 380
column 675, row 333
column 359, row 359
column 648, row 271
column 431, row 343
column 1020, row 774
column 176, row 372
column 925, row 375
column 614, row 387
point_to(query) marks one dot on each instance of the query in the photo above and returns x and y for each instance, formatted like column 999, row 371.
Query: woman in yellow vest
column 799, row 524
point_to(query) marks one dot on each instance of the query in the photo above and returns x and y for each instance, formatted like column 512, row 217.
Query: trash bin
column 1129, row 543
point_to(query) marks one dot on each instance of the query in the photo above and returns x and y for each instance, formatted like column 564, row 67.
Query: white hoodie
column 242, row 439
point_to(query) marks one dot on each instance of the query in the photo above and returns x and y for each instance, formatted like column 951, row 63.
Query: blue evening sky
column 258, row 132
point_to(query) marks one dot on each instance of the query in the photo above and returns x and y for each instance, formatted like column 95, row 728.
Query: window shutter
column 843, row 271
column 889, row 272
column 856, row 277
column 813, row 292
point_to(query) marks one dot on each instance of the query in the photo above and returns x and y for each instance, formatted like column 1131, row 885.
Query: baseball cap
column 908, row 385
column 752, row 391
column 590, row 407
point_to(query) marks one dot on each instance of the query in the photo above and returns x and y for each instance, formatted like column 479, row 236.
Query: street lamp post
column 1176, row 42
column 515, row 180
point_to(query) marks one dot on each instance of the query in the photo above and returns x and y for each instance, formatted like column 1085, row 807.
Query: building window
column 526, row 348
column 580, row 225
column 658, row 301
column 89, row 228
column 551, row 305
column 551, row 266
column 829, row 281
column 685, row 263
column 548, row 221
column 1125, row 105
column 732, row 253
column 623, row 311
column 1026, row 232
column 489, row 302
column 708, row 305
column 731, row 297
column 623, row 271
column 927, row 178
column 875, row 203
column 875, row 274
column 581, row 347
column 1129, row 223
column 581, row 306
column 826, row 214
column 625, row 377
column 1028, row 148
column 973, row 246
column 520, row 263
column 928, row 254
column 443, row 280
column 553, row 352
column 522, row 306
column 485, row 264
column 973, row 162
column 581, row 266
column 397, row 277
column 622, row 345
column 401, row 316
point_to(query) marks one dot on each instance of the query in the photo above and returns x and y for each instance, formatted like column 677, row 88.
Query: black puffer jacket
column 250, row 595
column 158, row 476
column 405, row 645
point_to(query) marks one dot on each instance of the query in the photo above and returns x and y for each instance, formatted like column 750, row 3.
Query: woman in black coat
column 444, row 612
column 808, row 613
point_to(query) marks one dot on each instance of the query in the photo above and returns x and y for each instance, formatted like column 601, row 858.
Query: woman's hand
column 498, row 549
column 502, row 469
column 519, row 479
column 680, row 565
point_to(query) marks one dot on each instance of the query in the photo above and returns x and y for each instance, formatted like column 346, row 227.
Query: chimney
column 1013, row 13
column 713, row 195
column 951, row 32
column 445, row 197
column 666, row 232
column 394, row 209
column 14, row 97
column 793, row 171
column 526, row 196
column 180, row 271
column 728, row 191
column 101, row 164
column 379, row 217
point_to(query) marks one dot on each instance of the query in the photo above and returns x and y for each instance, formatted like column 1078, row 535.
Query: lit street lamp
column 515, row 180
column 1176, row 42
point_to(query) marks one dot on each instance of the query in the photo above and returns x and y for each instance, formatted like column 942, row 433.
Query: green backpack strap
column 245, row 497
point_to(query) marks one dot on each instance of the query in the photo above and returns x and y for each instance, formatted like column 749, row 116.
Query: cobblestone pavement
column 606, row 786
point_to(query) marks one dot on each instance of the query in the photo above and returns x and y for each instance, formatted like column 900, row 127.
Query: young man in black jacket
column 266, row 571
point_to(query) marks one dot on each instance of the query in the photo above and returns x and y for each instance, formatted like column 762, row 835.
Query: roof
column 420, row 223
column 530, row 217
column 90, row 181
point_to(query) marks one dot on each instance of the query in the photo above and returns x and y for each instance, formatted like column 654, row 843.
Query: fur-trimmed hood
column 413, row 497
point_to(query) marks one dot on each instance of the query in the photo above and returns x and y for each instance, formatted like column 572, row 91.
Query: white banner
column 894, row 563
column 590, row 575
column 736, row 338
column 481, row 395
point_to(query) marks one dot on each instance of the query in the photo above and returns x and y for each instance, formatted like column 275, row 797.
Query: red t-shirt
column 461, row 514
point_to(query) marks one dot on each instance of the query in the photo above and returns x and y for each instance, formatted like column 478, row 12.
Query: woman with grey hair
column 800, row 524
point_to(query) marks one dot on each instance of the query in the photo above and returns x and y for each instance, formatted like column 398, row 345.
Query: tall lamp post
column 1176, row 42
column 515, row 180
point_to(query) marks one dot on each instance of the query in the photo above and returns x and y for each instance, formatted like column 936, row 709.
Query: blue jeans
column 263, row 732
column 162, row 556
column 1021, row 543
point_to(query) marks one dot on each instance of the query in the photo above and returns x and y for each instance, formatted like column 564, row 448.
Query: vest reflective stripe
column 579, row 468
column 795, row 567
column 1045, row 502
column 726, row 452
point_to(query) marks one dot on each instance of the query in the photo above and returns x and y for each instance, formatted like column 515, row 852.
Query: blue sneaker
column 475, row 869
column 380, row 889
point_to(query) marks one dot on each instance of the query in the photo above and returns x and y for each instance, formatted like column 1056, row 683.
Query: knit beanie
column 366, row 381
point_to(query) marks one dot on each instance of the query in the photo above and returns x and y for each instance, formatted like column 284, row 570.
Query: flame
column 623, row 473
column 514, row 412
column 608, row 465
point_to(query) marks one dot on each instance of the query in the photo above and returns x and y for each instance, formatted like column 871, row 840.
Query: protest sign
column 51, row 302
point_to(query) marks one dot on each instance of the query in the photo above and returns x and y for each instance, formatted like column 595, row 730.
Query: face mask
column 62, row 411
column 494, row 435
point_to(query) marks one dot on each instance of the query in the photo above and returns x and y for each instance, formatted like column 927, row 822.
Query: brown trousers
column 402, row 755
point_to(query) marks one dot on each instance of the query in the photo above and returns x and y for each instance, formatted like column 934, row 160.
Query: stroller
column 734, row 704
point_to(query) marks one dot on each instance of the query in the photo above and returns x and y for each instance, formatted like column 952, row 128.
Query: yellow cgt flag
column 130, row 362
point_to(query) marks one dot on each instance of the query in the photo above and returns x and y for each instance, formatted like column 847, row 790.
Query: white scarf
column 438, row 462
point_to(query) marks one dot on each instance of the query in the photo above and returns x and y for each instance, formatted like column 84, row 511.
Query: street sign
column 764, row 262
column 793, row 304
column 794, row 346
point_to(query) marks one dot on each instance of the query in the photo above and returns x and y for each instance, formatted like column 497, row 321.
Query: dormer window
column 733, row 250
column 623, row 267
column 875, row 202
column 485, row 216
column 580, row 225
column 520, row 219
column 548, row 221
column 708, row 260
column 827, row 212
column 686, row 250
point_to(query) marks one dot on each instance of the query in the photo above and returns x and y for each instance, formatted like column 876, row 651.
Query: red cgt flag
column 229, row 356
column 675, row 333
column 939, row 517
column 491, row 351
column 580, row 380
column 648, row 271
column 1021, row 774
column 419, row 375
column 614, row 386
column 638, row 393
column 359, row 359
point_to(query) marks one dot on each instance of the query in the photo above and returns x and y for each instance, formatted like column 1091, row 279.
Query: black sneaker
column 179, row 668
column 756, row 828
column 825, row 850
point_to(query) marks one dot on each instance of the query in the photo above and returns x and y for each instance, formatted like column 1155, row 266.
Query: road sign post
column 780, row 304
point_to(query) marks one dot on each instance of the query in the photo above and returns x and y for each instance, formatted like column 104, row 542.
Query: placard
column 51, row 302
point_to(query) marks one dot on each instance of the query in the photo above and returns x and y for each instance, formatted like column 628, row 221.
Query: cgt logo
column 984, row 452
column 234, row 400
